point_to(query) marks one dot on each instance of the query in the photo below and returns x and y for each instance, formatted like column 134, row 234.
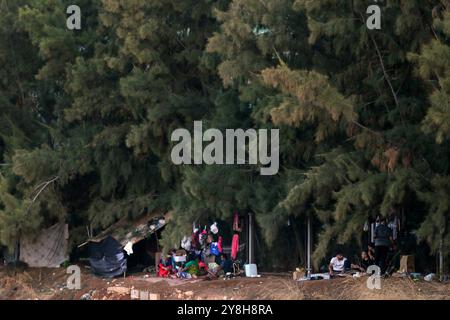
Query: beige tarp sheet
column 135, row 230
column 48, row 249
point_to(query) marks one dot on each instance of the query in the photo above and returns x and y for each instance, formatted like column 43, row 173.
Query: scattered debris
column 274, row 286
column 135, row 294
column 86, row 296
column 118, row 290
column 154, row 296
column 430, row 277
column 143, row 295
column 189, row 293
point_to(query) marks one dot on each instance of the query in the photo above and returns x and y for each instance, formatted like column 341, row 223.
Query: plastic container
column 251, row 271
column 429, row 277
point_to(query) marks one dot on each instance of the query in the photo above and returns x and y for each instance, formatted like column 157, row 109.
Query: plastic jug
column 251, row 270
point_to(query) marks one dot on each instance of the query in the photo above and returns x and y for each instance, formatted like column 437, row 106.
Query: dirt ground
column 45, row 284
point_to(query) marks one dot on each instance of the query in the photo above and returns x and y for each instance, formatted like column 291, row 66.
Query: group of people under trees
column 376, row 254
column 179, row 265
column 201, row 254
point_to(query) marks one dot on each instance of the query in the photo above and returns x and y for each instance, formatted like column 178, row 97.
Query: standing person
column 383, row 240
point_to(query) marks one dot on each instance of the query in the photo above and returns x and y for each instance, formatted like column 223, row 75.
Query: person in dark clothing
column 365, row 262
column 225, row 266
column 383, row 240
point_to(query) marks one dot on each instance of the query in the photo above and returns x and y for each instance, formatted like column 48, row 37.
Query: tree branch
column 44, row 186
column 386, row 76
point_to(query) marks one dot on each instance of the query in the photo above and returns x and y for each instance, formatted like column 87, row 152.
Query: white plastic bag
column 186, row 243
column 214, row 229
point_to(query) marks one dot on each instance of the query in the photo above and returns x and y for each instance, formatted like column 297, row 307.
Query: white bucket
column 251, row 270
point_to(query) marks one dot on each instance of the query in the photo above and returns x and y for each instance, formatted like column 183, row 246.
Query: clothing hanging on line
column 235, row 246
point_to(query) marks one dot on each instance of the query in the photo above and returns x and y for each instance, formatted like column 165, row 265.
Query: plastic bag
column 186, row 243
column 214, row 249
column 214, row 229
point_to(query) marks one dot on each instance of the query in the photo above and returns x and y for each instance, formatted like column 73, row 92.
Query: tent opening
column 146, row 253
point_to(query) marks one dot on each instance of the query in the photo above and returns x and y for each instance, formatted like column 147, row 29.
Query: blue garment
column 167, row 262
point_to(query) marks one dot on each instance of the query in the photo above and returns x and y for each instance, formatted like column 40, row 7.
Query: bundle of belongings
column 201, row 254
column 107, row 258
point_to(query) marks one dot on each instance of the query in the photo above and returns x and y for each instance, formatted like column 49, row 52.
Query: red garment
column 202, row 265
column 219, row 244
column 164, row 271
column 235, row 246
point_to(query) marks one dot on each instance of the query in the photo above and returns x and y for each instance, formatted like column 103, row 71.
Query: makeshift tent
column 126, row 231
column 107, row 258
column 48, row 249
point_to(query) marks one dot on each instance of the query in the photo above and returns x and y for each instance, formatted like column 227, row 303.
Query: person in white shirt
column 337, row 264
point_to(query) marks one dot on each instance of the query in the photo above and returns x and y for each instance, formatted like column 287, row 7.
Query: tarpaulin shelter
column 107, row 258
column 107, row 250
column 47, row 249
column 125, row 230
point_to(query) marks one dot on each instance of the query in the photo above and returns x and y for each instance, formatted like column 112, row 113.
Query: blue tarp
column 107, row 258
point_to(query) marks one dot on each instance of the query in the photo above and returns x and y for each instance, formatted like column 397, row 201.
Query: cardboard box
column 298, row 273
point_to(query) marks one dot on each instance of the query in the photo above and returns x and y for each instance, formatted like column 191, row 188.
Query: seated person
column 225, row 266
column 180, row 271
column 180, row 265
column 338, row 264
column 192, row 268
column 371, row 251
column 165, row 266
column 202, row 268
column 365, row 262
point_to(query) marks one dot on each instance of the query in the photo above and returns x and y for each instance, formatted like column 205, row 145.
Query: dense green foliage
column 364, row 115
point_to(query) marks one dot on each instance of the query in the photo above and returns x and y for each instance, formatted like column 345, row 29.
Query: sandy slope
column 51, row 284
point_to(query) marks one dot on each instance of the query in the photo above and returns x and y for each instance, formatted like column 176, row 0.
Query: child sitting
column 165, row 266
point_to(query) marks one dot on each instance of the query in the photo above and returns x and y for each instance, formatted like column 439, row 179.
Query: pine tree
column 24, row 112
column 386, row 163
column 433, row 65
column 121, row 85
column 86, row 115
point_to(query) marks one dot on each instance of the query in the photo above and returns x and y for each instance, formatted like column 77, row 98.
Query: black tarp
column 107, row 258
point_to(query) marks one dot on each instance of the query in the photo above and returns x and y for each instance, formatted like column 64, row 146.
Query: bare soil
column 50, row 284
